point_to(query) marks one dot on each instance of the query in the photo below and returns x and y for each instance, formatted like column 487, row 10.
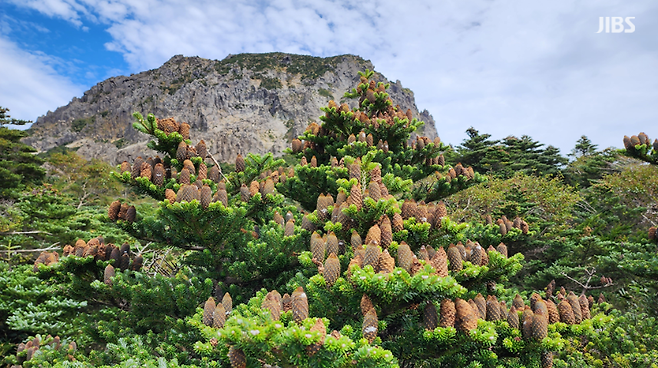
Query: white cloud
column 30, row 85
column 503, row 67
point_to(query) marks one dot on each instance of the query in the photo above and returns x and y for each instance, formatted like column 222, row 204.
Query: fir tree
column 18, row 164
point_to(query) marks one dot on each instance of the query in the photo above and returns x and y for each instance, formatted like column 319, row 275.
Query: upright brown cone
column 374, row 235
column 370, row 323
column 553, row 314
column 440, row 262
column 108, row 274
column 331, row 269
column 566, row 313
column 575, row 306
column 208, row 310
column 113, row 210
column 386, row 262
column 317, row 247
column 447, row 313
column 398, row 223
column 206, row 196
column 430, row 317
column 227, row 302
column 372, row 255
column 405, row 256
column 332, row 243
column 455, row 258
column 513, row 318
column 219, row 316
column 239, row 163
column 492, row 308
column 299, row 305
column 584, row 307
column 539, row 325
column 322, row 329
column 237, row 358
column 466, row 318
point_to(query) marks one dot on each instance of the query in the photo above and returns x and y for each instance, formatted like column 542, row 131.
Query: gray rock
column 244, row 103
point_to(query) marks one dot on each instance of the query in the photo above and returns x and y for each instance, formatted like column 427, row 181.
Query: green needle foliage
column 363, row 248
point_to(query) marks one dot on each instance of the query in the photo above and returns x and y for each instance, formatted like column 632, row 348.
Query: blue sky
column 503, row 67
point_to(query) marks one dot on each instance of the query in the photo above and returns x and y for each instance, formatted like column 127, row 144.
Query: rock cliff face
column 244, row 103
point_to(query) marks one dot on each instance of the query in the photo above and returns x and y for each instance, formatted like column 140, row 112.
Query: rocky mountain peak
column 243, row 103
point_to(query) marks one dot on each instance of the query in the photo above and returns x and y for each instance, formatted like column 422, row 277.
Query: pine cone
column 318, row 247
column 181, row 152
column 547, row 359
column 518, row 302
column 184, row 177
column 575, row 306
column 527, row 318
column 218, row 316
column 244, row 193
column 355, row 197
column 539, row 325
column 268, row 188
column 113, row 210
column 332, row 243
column 227, row 302
column 405, row 256
column 652, row 233
column 553, row 314
column 320, row 327
column 430, row 317
column 331, row 269
column 213, row 174
column 205, row 195
column 222, row 197
column 566, row 313
column 137, row 167
column 355, row 240
column 492, row 308
column 372, row 255
column 481, row 306
column 184, row 130
column 447, row 313
column 503, row 310
column 297, row 146
column 374, row 235
column 440, row 262
column 137, row 263
column 355, row 171
column 237, row 358
column 299, row 305
column 290, row 228
column 125, row 166
column 455, row 258
column 584, row 307
column 208, row 310
column 398, row 224
column 370, row 323
column 386, row 263
column 373, row 190
column 125, row 262
column 386, row 232
column 466, row 318
column 513, row 318
column 239, row 163
column 131, row 213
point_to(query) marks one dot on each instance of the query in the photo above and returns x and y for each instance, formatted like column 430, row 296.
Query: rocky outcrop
column 244, row 103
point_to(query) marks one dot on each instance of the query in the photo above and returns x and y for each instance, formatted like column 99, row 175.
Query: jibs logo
column 616, row 25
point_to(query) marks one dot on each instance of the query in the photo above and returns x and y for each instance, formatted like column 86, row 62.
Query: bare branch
column 26, row 232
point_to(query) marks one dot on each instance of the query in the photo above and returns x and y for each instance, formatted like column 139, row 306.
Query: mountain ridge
column 242, row 103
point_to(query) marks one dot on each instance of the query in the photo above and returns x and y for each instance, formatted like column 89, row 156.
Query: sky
column 503, row 67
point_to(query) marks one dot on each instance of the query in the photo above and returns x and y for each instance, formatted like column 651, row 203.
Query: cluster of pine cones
column 507, row 225
column 454, row 172
column 155, row 170
column 170, row 125
column 96, row 248
column 123, row 211
column 640, row 139
column 34, row 344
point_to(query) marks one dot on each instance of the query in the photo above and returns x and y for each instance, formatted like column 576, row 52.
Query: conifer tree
column 18, row 164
